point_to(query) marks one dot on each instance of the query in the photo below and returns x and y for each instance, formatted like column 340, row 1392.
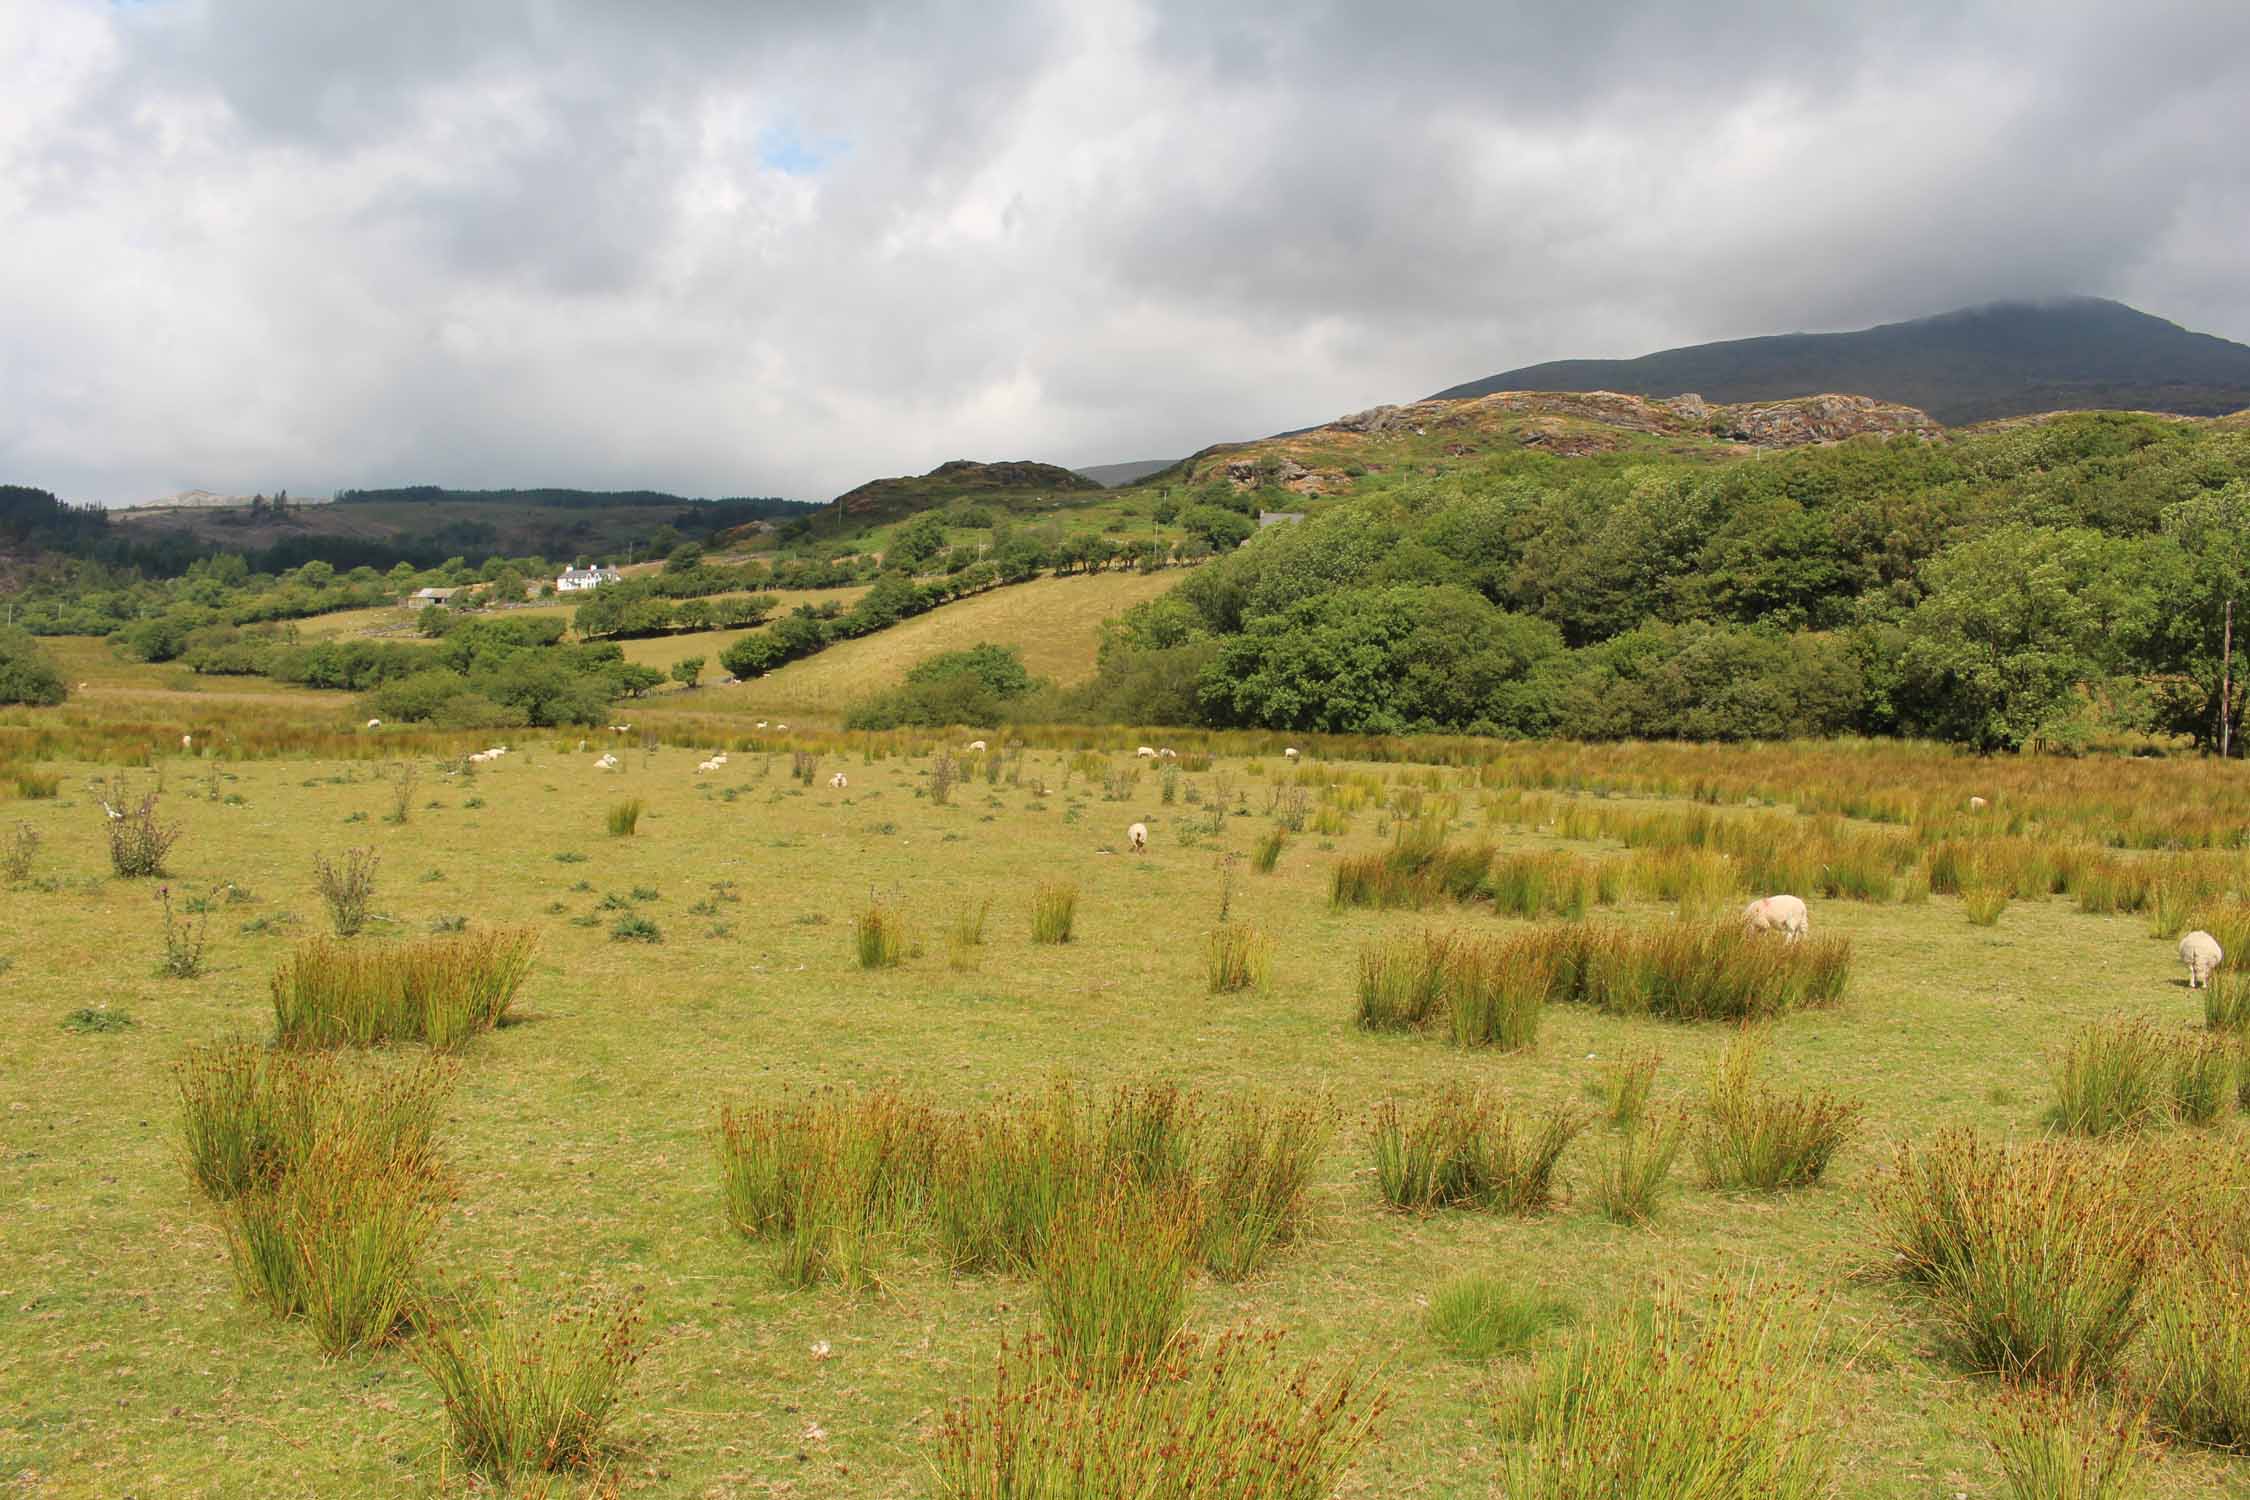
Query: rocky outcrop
column 1805, row 420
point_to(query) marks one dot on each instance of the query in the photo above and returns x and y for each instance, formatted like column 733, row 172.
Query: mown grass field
column 130, row 1365
column 1055, row 622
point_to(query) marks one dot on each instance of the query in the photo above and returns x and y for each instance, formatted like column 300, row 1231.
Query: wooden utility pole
column 2226, row 683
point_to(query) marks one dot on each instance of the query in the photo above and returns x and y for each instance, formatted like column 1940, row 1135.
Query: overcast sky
column 731, row 247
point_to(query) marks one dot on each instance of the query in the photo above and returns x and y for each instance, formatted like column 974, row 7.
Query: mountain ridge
column 1973, row 364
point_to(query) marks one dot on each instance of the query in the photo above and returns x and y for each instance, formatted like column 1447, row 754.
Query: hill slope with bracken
column 1017, row 485
column 1438, row 435
column 1971, row 365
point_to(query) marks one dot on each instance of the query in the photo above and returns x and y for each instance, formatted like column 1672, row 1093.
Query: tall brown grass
column 442, row 991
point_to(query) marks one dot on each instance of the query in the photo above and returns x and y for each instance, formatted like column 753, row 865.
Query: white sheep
column 1290, row 753
column 977, row 745
column 607, row 763
column 720, row 759
column 709, row 765
column 1978, row 804
column 1137, row 837
column 1146, row 753
column 1167, row 754
column 781, row 728
column 761, row 723
column 2201, row 953
column 374, row 723
column 187, row 742
column 1783, row 914
column 838, row 781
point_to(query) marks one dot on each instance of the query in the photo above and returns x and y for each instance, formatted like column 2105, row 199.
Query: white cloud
column 782, row 248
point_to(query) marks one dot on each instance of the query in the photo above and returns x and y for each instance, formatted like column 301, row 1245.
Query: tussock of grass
column 1721, row 1402
column 2052, row 1447
column 624, row 817
column 1267, row 851
column 1626, row 1083
column 1418, row 870
column 1212, row 1419
column 1636, row 1170
column 1054, row 911
column 336, row 1242
column 2034, row 1254
column 1402, row 980
column 1465, row 1148
column 1551, row 884
column 1983, row 904
column 1479, row 1318
column 1496, row 992
column 1113, row 1280
column 441, row 991
column 879, row 937
column 1237, row 956
column 2129, row 1074
column 1754, row 1137
column 838, row 1179
column 530, row 1393
column 2195, row 1368
column 251, row 1114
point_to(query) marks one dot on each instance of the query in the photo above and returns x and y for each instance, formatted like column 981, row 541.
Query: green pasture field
column 581, row 1134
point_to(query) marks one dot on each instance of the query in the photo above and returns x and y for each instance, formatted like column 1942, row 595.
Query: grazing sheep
column 1137, row 836
column 374, row 723
column 1167, row 755
column 1146, row 752
column 781, row 728
column 187, row 742
column 83, row 686
column 761, row 723
column 976, row 744
column 1978, row 804
column 2201, row 953
column 1290, row 753
column 607, row 763
column 838, row 782
column 1782, row 914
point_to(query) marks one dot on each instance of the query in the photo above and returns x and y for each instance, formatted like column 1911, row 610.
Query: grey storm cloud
column 778, row 248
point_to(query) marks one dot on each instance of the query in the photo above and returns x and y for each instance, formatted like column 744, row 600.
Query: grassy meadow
column 715, row 957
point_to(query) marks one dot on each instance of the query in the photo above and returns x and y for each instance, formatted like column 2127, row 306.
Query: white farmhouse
column 578, row 580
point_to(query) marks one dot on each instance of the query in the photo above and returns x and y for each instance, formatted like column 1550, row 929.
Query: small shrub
column 624, row 817
column 1054, row 909
column 1237, row 956
column 528, row 1393
column 138, row 843
column 17, row 852
column 1212, row 1419
column 1719, row 1402
column 1759, row 1138
column 2051, row 1447
column 347, row 888
column 1481, row 1317
column 2033, row 1254
column 1630, row 1183
column 1465, row 1148
column 183, row 938
column 879, row 937
column 92, row 1020
column 439, row 991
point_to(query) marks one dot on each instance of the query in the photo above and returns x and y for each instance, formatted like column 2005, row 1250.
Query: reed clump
column 1462, row 1147
column 440, row 991
column 531, row 1391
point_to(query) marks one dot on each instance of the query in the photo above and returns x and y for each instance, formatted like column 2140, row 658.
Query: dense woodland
column 2042, row 583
